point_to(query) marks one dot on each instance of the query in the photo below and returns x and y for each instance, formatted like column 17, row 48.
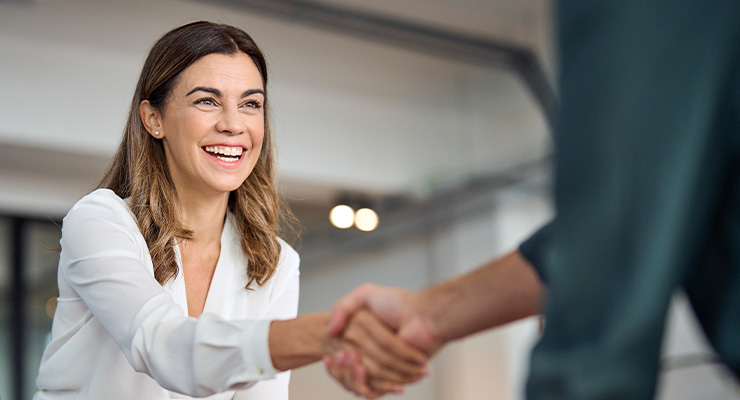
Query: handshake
column 382, row 340
column 394, row 331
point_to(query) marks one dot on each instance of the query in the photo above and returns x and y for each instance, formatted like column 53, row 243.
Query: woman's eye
column 206, row 101
column 254, row 104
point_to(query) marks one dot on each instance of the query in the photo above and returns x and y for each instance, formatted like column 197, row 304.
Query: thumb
column 417, row 334
column 346, row 306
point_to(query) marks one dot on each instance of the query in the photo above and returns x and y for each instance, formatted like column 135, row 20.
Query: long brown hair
column 139, row 169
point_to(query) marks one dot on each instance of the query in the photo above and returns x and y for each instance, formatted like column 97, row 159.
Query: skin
column 218, row 101
column 502, row 291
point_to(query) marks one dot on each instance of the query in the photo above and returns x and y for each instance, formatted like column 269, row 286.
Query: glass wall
column 40, row 276
column 5, row 347
column 28, row 270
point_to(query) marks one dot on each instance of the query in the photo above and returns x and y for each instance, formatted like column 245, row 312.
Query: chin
column 229, row 188
column 233, row 186
column 229, row 185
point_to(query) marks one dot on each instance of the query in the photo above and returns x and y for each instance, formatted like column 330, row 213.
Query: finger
column 337, row 368
column 347, row 305
column 389, row 342
column 361, row 380
column 330, row 362
column 355, row 377
column 347, row 374
column 378, row 371
column 383, row 386
column 390, row 358
column 334, row 369
column 359, row 377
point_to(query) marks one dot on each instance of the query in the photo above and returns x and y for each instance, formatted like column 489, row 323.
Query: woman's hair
column 139, row 169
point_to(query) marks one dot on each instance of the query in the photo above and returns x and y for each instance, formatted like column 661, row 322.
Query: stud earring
column 156, row 133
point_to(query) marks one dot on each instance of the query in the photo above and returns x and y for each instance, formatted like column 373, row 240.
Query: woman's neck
column 204, row 216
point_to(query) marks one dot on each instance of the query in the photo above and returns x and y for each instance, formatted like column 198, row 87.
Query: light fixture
column 342, row 216
column 366, row 219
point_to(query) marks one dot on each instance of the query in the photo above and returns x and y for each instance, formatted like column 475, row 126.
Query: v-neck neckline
column 218, row 292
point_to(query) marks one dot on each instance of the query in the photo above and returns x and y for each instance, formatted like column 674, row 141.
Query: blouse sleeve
column 103, row 261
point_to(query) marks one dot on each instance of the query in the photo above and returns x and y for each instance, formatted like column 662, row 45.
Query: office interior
column 436, row 114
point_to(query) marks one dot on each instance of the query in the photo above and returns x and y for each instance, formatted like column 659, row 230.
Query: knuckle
column 365, row 288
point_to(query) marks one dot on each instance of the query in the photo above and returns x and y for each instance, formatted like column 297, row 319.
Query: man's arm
column 502, row 291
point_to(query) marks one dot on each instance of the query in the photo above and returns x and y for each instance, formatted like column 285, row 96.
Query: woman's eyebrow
column 219, row 94
column 253, row 91
column 206, row 89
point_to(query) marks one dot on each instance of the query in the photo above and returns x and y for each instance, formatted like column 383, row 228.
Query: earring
column 156, row 133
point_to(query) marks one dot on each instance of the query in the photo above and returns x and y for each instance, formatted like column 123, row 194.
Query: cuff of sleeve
column 257, row 342
column 536, row 249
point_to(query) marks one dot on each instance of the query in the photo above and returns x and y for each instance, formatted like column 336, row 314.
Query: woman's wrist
column 300, row 341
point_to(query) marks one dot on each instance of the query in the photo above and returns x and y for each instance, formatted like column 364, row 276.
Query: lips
column 225, row 153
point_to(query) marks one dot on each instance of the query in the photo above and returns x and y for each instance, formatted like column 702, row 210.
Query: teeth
column 225, row 151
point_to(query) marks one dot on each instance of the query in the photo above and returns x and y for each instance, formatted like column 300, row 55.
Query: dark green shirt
column 647, row 193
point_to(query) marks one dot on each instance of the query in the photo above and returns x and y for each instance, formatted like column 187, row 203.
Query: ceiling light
column 342, row 216
column 366, row 219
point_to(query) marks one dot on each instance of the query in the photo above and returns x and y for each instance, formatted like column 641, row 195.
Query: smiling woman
column 173, row 280
column 217, row 104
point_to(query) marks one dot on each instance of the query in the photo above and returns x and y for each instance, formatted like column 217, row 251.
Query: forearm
column 503, row 291
column 300, row 341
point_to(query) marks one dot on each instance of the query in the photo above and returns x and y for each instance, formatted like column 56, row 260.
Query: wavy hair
column 139, row 170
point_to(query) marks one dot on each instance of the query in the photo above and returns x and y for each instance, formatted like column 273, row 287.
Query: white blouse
column 118, row 334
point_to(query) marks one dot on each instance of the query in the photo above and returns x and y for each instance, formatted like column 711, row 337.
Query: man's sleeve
column 535, row 249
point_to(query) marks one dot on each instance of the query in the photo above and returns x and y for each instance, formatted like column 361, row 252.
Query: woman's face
column 213, row 124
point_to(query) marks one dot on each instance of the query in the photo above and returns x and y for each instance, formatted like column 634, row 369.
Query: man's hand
column 400, row 309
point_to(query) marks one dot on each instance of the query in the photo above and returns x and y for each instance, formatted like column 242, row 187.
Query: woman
column 172, row 279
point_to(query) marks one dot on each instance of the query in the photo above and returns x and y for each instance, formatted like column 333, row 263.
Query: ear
column 151, row 118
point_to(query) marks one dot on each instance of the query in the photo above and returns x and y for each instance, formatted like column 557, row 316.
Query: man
column 647, row 200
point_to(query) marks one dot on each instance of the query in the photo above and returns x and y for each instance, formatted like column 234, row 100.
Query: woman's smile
column 228, row 154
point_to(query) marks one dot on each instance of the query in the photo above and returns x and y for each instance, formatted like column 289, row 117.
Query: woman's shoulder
column 288, row 255
column 100, row 203
column 101, row 196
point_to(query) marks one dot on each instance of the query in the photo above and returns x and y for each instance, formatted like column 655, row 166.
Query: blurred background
column 433, row 113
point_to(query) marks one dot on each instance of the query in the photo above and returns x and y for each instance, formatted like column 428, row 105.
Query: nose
column 231, row 122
